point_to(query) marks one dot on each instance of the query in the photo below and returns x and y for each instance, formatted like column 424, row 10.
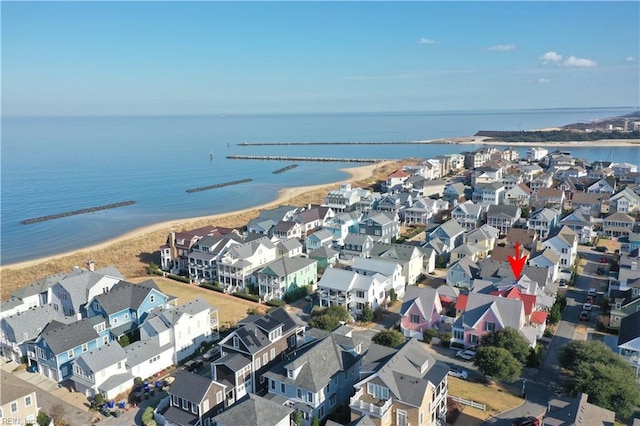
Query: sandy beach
column 483, row 140
column 151, row 237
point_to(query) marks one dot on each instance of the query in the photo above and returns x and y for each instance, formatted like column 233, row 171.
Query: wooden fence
column 468, row 402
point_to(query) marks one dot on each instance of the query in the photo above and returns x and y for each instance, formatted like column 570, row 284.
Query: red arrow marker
column 517, row 262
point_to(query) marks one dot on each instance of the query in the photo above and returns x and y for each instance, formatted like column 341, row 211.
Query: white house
column 468, row 215
column 536, row 153
column 564, row 244
column 103, row 370
column 352, row 290
column 387, row 268
column 236, row 268
column 145, row 357
column 625, row 201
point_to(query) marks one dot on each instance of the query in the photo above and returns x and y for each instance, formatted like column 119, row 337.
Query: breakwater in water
column 218, row 185
column 76, row 212
column 284, row 169
column 319, row 159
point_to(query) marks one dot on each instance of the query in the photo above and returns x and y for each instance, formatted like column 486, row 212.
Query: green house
column 286, row 274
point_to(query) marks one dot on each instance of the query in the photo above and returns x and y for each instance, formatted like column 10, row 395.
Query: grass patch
column 230, row 309
column 496, row 397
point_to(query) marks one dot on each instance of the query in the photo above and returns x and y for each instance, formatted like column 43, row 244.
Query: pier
column 218, row 185
column 284, row 169
column 318, row 159
column 76, row 212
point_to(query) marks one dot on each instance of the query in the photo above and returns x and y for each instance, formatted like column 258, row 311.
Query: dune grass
column 132, row 255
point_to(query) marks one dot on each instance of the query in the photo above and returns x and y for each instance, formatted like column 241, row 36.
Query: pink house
column 421, row 309
column 485, row 313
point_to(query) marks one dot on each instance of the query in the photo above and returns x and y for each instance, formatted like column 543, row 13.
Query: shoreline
column 283, row 195
column 483, row 140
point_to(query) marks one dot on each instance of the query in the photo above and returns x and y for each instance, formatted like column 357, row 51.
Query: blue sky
column 85, row 58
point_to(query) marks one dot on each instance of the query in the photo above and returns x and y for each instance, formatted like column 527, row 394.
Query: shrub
column 138, row 381
column 445, row 339
column 147, row 416
column 179, row 278
column 429, row 334
column 246, row 296
column 43, row 419
column 390, row 338
column 253, row 311
column 297, row 293
column 317, row 310
column 124, row 341
column 393, row 295
column 367, row 313
column 276, row 303
column 212, row 286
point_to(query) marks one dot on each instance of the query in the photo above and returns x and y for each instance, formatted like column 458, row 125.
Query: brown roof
column 501, row 254
column 549, row 193
column 521, row 235
column 586, row 198
column 399, row 173
column 525, row 188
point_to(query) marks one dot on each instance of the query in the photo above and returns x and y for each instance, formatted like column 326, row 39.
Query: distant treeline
column 556, row 135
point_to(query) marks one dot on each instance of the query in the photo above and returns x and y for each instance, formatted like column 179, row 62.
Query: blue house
column 60, row 344
column 126, row 306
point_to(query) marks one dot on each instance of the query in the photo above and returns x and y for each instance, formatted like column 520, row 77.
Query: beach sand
column 132, row 251
column 483, row 140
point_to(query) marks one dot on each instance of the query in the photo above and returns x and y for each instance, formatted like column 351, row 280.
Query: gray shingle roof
column 14, row 388
column 254, row 411
column 384, row 267
column 28, row 324
column 234, row 361
column 323, row 253
column 190, row 386
column 142, row 350
column 400, row 252
column 451, row 228
column 255, row 336
column 248, row 249
column 125, row 295
column 287, row 265
column 629, row 328
column 423, row 297
column 510, row 311
column 61, row 338
column 503, row 211
column 104, row 356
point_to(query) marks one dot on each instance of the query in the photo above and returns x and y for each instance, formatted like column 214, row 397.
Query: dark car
column 585, row 315
column 601, row 249
column 600, row 271
column 526, row 421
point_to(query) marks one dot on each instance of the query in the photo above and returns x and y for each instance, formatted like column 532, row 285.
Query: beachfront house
column 236, row 268
column 313, row 218
column 285, row 275
column 286, row 230
column 206, row 253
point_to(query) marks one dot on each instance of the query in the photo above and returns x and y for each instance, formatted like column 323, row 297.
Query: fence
column 468, row 402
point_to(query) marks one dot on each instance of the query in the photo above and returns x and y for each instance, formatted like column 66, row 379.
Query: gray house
column 381, row 226
column 450, row 233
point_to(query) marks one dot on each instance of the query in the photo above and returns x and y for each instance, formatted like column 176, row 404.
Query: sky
column 156, row 58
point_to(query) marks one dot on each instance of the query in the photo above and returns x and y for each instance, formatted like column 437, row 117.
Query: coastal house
column 529, row 171
column 488, row 194
column 193, row 400
column 547, row 259
column 18, row 401
column 484, row 314
column 127, row 305
column 268, row 218
column 510, row 181
column 450, row 234
column 547, row 197
column 462, row 273
column 543, row 221
column 396, row 181
column 286, row 230
column 344, row 199
column 72, row 293
column 536, row 153
column 620, row 169
column 17, row 330
column 618, row 225
column 401, row 386
column 174, row 254
column 313, row 218
column 468, row 215
column 600, row 173
column 321, row 238
column 621, row 307
column 477, row 158
column 469, row 250
column 145, row 358
column 255, row 411
column 575, row 411
column 424, row 210
column 543, row 180
column 356, row 245
column 352, row 290
column 394, row 203
column 606, row 186
column 325, row 256
column 206, row 253
column 519, row 195
column 381, row 226
column 454, row 192
column 236, row 268
column 59, row 344
column 102, row 371
column 410, row 258
column 289, row 248
column 625, row 201
column 185, row 327
column 343, row 224
column 253, row 349
column 581, row 224
column 503, row 217
column 421, row 309
column 284, row 275
column 629, row 340
column 484, row 237
column 385, row 267
column 319, row 376
column 488, row 173
column 593, row 203
column 565, row 245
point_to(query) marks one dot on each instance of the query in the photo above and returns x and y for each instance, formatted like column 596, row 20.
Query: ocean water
column 55, row 165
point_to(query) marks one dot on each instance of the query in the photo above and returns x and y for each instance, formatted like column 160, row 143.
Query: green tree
column 339, row 312
column 367, row 313
column 525, row 212
column 498, row 363
column 124, row 341
column 325, row 322
column 315, row 421
column 390, row 338
column 555, row 315
column 393, row 296
column 587, row 351
column 297, row 418
column 509, row 339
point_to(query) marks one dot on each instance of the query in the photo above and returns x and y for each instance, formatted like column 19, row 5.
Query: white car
column 587, row 306
column 459, row 373
column 210, row 353
column 467, row 355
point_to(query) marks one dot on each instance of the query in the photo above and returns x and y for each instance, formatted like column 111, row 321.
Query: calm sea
column 55, row 165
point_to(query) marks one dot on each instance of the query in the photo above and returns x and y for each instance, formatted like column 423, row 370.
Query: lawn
column 230, row 308
column 496, row 397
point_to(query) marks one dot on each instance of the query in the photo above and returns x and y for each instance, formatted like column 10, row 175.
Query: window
column 290, row 373
column 401, row 418
column 85, row 347
column 14, row 407
column 185, row 404
column 115, row 320
column 473, row 339
column 152, row 298
column 283, row 387
column 378, row 391
column 194, row 408
column 273, row 353
column 235, row 342
column 415, row 318
column 489, row 326
column 265, row 359
column 218, row 397
column 321, row 412
column 309, row 397
column 272, row 384
column 70, row 353
column 126, row 316
column 257, row 363
column 421, row 417
column 333, row 400
column 27, row 401
column 299, row 393
column 458, row 334
column 360, row 294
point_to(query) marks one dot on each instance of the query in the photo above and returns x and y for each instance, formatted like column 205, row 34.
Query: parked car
column 585, row 315
column 603, row 260
column 459, row 373
column 601, row 249
column 563, row 283
column 526, row 421
column 210, row 353
column 466, row 355
column 590, row 299
column 587, row 306
column 592, row 292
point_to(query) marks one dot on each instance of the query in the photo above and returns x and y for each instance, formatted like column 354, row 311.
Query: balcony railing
column 358, row 402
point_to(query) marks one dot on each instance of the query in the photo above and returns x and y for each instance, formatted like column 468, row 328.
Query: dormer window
column 235, row 342
column 275, row 334
column 424, row 367
column 290, row 373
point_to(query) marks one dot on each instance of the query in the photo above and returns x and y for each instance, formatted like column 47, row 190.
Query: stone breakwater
column 318, row 159
column 284, row 169
column 76, row 212
column 218, row 185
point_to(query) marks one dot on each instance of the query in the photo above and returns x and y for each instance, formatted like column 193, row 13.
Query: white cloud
column 630, row 59
column 503, row 47
column 543, row 80
column 551, row 57
column 572, row 61
column 425, row 40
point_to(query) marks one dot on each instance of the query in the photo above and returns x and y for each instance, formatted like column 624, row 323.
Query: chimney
column 91, row 265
